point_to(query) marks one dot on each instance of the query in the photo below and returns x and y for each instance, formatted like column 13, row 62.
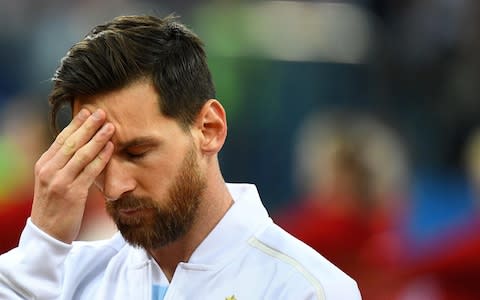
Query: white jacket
column 245, row 257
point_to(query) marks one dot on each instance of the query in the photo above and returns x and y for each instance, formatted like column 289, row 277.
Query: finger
column 78, row 138
column 88, row 175
column 86, row 154
column 76, row 122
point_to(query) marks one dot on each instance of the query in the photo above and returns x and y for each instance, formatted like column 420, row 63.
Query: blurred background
column 357, row 120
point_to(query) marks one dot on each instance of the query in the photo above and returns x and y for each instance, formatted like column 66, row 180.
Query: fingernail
column 83, row 114
column 107, row 127
column 97, row 115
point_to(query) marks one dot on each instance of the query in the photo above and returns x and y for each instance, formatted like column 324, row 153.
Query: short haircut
column 131, row 48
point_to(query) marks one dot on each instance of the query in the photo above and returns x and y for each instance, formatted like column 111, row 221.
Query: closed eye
column 138, row 148
column 137, row 152
column 135, row 156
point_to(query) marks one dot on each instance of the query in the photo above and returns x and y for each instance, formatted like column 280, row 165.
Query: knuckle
column 97, row 164
column 89, row 126
column 99, row 138
column 57, row 187
column 42, row 173
column 60, row 140
column 102, row 157
column 82, row 158
column 100, row 161
column 69, row 146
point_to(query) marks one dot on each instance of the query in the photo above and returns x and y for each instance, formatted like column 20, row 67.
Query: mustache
column 131, row 202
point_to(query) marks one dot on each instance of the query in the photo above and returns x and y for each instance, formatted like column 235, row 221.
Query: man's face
column 153, row 183
column 160, row 222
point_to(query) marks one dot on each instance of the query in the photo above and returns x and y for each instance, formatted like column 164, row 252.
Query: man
column 146, row 131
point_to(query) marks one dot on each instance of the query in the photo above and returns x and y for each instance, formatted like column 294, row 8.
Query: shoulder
column 301, row 266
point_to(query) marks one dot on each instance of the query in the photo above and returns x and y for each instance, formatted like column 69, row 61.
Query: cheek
column 158, row 176
column 160, row 170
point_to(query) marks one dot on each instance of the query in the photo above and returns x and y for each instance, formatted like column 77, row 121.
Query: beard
column 160, row 223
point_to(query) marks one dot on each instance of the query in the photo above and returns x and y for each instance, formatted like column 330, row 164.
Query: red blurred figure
column 13, row 216
column 352, row 169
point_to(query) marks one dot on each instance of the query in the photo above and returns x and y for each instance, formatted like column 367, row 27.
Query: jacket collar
column 231, row 234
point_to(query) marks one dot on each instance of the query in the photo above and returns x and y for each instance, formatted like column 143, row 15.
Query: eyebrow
column 139, row 141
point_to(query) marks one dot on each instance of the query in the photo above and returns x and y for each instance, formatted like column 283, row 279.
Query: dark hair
column 130, row 48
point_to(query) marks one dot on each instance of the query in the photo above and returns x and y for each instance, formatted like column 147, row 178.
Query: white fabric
column 246, row 256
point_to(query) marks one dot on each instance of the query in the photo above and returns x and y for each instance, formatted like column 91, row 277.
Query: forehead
column 133, row 106
column 133, row 110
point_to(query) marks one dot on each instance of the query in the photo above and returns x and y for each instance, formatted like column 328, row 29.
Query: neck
column 216, row 201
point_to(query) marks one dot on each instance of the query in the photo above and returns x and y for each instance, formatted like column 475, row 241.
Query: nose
column 115, row 180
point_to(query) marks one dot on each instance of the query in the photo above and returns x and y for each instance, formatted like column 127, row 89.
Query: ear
column 211, row 123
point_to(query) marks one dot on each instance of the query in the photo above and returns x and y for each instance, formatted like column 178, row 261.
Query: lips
column 129, row 211
column 137, row 211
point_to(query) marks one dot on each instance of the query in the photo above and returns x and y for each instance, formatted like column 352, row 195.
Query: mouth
column 128, row 212
column 134, row 212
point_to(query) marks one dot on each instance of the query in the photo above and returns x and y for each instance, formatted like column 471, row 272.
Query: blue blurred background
column 395, row 80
